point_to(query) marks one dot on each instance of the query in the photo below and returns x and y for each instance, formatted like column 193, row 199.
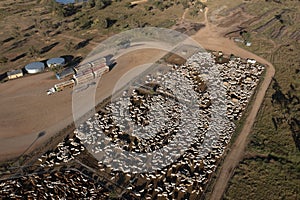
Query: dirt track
column 210, row 38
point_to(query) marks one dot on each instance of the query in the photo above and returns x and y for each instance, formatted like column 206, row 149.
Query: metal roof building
column 35, row 67
column 14, row 74
column 68, row 72
column 54, row 62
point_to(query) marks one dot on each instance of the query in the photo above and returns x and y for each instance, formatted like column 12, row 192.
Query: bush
column 3, row 59
column 33, row 52
column 70, row 46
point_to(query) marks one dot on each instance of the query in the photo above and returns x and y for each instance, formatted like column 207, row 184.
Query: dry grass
column 272, row 171
column 28, row 24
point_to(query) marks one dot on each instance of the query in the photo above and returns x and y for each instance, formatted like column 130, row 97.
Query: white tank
column 35, row 67
column 54, row 62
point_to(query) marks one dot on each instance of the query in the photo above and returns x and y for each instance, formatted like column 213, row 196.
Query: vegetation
column 33, row 52
column 33, row 25
column 271, row 166
column 3, row 59
column 70, row 46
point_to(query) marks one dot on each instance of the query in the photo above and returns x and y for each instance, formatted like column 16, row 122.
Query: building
column 66, row 73
column 14, row 74
column 35, row 67
column 60, row 86
column 55, row 62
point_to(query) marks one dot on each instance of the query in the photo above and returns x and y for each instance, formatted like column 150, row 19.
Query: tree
column 185, row 4
column 3, row 59
column 101, row 23
column 57, row 8
column 194, row 12
column 69, row 46
column 246, row 35
column 85, row 22
column 91, row 3
column 99, row 4
column 128, row 5
column 16, row 31
column 148, row 8
column 34, row 52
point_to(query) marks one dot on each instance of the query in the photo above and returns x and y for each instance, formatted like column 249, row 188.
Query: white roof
column 35, row 67
column 55, row 61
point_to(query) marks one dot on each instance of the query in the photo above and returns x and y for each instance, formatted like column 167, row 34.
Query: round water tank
column 54, row 62
column 35, row 67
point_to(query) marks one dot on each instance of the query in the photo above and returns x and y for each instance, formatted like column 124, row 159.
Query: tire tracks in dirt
column 211, row 37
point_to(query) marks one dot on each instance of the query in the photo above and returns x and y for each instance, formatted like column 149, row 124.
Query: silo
column 55, row 62
column 35, row 67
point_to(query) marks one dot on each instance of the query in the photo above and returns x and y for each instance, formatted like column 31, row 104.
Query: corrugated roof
column 13, row 72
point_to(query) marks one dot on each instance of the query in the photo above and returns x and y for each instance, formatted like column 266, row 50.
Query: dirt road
column 211, row 38
column 237, row 150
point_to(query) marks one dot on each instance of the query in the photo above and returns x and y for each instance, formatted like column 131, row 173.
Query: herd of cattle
column 164, row 133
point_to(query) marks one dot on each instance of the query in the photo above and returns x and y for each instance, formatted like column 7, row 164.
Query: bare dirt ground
column 78, row 40
column 27, row 110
